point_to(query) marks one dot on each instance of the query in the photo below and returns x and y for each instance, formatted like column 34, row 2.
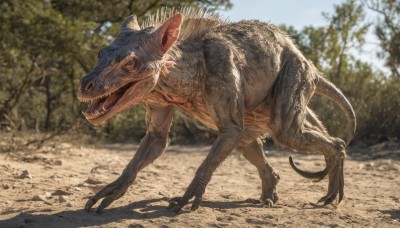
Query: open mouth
column 99, row 106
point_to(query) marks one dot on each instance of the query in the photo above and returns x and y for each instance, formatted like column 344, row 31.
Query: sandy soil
column 33, row 199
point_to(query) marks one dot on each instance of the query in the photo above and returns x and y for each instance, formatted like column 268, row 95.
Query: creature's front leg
column 151, row 147
column 223, row 146
column 226, row 108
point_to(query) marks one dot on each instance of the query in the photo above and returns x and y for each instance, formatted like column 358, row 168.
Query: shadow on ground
column 394, row 214
column 137, row 210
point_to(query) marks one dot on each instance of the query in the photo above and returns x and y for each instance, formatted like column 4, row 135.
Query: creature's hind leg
column 254, row 153
column 291, row 128
column 312, row 121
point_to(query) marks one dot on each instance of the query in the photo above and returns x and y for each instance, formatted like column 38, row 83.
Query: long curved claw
column 341, row 183
column 196, row 202
column 318, row 176
column 330, row 199
column 196, row 189
column 110, row 193
column 172, row 203
column 177, row 203
column 276, row 197
column 267, row 203
column 270, row 198
column 105, row 203
column 89, row 204
column 336, row 182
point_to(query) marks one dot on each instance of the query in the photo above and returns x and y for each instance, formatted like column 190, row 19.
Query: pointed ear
column 168, row 33
column 130, row 23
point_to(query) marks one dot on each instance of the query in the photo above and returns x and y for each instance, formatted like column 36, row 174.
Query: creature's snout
column 87, row 83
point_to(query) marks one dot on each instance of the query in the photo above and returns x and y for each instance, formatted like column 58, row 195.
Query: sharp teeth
column 85, row 100
column 110, row 92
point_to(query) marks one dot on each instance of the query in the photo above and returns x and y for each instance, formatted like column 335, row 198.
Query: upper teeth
column 83, row 99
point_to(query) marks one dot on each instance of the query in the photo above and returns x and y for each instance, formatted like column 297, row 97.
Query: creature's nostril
column 89, row 86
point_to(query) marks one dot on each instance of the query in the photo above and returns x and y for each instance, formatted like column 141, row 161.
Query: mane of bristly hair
column 196, row 21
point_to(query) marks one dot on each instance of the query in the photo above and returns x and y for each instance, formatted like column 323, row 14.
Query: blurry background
column 47, row 46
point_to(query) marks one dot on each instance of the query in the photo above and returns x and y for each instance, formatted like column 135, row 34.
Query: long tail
column 326, row 88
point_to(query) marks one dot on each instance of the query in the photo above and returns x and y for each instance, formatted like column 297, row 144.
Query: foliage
column 388, row 31
column 333, row 49
column 47, row 46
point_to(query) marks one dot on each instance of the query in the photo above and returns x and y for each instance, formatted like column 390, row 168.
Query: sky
column 299, row 13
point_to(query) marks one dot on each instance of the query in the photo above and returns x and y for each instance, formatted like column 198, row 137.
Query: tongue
column 111, row 100
column 107, row 102
column 95, row 105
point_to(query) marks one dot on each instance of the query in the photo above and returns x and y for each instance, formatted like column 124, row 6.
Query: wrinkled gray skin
column 242, row 79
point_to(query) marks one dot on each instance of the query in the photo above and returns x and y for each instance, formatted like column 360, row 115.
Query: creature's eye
column 131, row 63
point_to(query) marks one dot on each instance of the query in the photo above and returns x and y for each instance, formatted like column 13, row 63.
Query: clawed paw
column 177, row 203
column 267, row 203
column 173, row 204
column 196, row 189
column 336, row 182
column 110, row 193
column 270, row 200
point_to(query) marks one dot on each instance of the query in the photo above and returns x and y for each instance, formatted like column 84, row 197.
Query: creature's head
column 128, row 69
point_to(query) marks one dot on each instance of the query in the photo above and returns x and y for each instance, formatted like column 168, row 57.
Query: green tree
column 47, row 46
column 333, row 49
column 387, row 29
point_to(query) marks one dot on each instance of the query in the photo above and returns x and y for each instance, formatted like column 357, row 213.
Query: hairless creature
column 242, row 79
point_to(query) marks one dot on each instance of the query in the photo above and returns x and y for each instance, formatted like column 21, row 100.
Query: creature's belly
column 256, row 121
column 199, row 111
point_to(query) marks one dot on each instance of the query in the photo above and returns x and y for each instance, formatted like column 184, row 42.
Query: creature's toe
column 268, row 203
column 336, row 184
column 176, row 204
column 109, row 194
column 276, row 197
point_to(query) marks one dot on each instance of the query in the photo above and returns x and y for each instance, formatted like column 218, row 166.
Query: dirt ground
column 60, row 178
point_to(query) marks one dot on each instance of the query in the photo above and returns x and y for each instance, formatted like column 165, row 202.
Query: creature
column 242, row 79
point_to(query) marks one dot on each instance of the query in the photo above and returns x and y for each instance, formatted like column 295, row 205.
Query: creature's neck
column 186, row 77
